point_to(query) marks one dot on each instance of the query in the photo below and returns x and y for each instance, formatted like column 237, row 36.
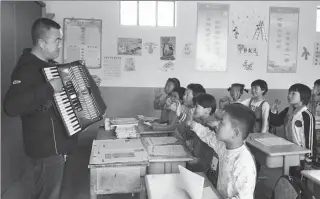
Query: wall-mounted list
column 316, row 54
column 212, row 35
column 82, row 41
column 283, row 40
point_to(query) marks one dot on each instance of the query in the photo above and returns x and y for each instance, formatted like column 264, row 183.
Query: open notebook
column 192, row 183
column 185, row 185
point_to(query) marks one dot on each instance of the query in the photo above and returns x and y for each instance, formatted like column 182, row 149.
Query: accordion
column 79, row 103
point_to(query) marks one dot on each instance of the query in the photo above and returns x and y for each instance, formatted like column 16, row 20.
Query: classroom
column 160, row 99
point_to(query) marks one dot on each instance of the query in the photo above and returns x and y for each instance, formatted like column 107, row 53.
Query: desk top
column 142, row 130
column 110, row 135
column 146, row 130
column 166, row 149
column 313, row 175
column 158, row 184
column 119, row 152
column 275, row 150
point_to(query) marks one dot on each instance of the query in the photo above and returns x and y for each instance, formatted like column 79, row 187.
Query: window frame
column 156, row 16
column 318, row 19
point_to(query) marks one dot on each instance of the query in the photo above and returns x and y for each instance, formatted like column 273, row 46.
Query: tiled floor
column 76, row 182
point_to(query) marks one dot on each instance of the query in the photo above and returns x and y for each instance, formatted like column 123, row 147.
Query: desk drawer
column 110, row 180
column 165, row 167
column 156, row 135
column 272, row 161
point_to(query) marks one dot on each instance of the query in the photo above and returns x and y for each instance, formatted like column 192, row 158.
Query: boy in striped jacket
column 298, row 121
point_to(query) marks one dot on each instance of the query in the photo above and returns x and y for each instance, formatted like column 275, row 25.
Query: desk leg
column 143, row 192
column 316, row 190
column 93, row 183
column 288, row 161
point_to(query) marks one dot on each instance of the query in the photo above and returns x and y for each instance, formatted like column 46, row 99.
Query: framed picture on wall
column 168, row 48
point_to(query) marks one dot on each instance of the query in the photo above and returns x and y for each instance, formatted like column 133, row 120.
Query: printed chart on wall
column 283, row 40
column 82, row 41
column 316, row 54
column 110, row 70
column 212, row 36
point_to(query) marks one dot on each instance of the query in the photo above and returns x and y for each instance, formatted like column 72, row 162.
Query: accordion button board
column 77, row 104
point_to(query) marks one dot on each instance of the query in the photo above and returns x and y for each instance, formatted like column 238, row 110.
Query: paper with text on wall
column 191, row 182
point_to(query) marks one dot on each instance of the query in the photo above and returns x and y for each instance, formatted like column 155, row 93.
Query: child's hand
column 168, row 103
column 179, row 109
column 223, row 102
column 190, row 117
column 104, row 115
column 275, row 106
column 158, row 93
column 316, row 90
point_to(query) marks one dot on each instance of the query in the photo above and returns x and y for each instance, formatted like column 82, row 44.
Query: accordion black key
column 79, row 103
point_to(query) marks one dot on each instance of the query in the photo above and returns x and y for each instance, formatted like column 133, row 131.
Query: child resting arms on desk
column 171, row 105
column 237, row 168
column 160, row 101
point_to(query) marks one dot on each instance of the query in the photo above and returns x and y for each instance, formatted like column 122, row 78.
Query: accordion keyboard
column 75, row 102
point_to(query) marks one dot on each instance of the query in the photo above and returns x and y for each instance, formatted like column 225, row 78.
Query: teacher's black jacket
column 30, row 96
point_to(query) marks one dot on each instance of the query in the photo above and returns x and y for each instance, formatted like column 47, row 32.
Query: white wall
column 148, row 75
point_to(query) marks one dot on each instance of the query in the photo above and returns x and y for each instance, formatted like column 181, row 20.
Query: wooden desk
column 116, row 166
column 160, row 184
column 313, row 175
column 313, row 181
column 275, row 156
column 166, row 163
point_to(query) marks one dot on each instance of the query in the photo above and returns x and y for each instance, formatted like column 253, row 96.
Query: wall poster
column 212, row 36
column 82, row 41
column 283, row 40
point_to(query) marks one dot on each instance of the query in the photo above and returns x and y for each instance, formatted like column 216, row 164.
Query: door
column 17, row 18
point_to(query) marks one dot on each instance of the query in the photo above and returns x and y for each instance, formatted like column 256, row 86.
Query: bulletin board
column 82, row 41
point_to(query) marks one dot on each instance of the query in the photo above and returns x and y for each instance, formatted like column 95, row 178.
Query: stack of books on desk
column 125, row 127
column 164, row 146
column 126, row 131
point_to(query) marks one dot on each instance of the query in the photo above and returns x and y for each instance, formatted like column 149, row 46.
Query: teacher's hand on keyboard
column 56, row 84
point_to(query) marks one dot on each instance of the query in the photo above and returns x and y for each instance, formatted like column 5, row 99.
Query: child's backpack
column 289, row 187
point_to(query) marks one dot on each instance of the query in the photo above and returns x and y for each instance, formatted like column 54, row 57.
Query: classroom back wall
column 133, row 92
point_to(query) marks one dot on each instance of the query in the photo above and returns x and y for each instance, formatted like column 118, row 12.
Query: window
column 148, row 13
column 318, row 19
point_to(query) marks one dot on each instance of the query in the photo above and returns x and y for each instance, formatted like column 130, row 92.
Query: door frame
column 43, row 7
